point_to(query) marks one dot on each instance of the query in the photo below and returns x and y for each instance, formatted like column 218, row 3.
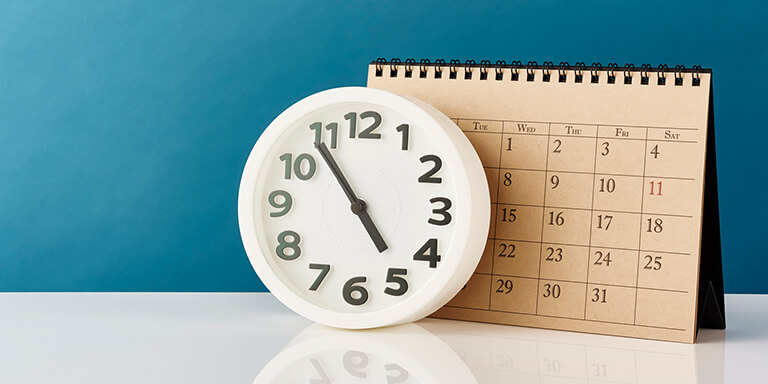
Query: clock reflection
column 400, row 354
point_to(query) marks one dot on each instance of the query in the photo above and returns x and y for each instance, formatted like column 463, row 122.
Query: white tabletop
column 250, row 337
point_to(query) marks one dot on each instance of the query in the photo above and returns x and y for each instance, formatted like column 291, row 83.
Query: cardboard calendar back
column 603, row 193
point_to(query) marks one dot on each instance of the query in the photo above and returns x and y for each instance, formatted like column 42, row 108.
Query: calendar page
column 596, row 192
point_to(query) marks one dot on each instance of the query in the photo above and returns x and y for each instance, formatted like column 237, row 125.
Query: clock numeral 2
column 298, row 166
column 324, row 269
column 441, row 211
column 428, row 177
column 428, row 252
column 367, row 133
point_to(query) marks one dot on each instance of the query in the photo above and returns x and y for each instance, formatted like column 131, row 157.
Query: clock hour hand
column 358, row 206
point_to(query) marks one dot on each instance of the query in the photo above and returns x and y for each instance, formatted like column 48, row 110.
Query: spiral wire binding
column 564, row 70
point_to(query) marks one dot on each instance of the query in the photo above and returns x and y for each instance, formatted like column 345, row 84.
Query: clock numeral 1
column 318, row 128
column 428, row 252
column 441, row 211
column 404, row 129
column 349, row 288
column 402, row 284
column 324, row 269
column 428, row 177
column 285, row 205
column 284, row 244
column 367, row 133
column 302, row 172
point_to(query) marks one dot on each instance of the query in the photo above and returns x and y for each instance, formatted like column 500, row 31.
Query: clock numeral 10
column 304, row 167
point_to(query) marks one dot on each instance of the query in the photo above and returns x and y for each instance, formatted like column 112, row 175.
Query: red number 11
column 653, row 183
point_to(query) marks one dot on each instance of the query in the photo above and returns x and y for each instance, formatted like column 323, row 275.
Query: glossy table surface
column 251, row 337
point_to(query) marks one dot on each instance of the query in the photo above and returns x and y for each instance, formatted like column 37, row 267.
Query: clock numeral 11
column 318, row 128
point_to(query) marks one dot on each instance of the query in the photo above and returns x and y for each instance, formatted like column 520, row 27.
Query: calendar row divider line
column 573, row 123
column 569, row 318
column 540, row 279
column 597, row 210
column 590, row 173
column 590, row 246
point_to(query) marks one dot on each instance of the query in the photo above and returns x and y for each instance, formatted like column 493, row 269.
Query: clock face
column 361, row 208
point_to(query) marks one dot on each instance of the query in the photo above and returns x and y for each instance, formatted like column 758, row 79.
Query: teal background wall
column 124, row 125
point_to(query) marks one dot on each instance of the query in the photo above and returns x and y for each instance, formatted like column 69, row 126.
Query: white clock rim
column 467, row 246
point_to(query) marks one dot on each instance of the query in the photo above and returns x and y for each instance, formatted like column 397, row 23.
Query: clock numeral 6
column 428, row 252
column 402, row 284
column 361, row 294
column 441, row 211
column 284, row 244
column 302, row 171
column 429, row 176
column 285, row 205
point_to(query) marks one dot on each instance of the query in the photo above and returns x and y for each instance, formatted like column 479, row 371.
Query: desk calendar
column 603, row 193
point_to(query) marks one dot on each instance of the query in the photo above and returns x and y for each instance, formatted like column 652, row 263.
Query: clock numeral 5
column 402, row 284
column 285, row 205
column 429, row 176
column 441, row 211
column 428, row 252
column 304, row 167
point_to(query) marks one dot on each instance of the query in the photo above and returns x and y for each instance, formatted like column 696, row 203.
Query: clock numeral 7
column 428, row 252
column 324, row 269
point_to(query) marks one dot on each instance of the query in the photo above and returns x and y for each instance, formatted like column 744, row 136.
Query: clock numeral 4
column 304, row 167
column 428, row 252
column 443, row 211
column 429, row 176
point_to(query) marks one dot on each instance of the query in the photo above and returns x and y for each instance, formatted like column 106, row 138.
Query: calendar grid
column 506, row 170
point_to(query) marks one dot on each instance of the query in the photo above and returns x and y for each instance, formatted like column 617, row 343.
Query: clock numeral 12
column 367, row 133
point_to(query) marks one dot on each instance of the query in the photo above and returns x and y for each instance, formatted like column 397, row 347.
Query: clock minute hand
column 358, row 206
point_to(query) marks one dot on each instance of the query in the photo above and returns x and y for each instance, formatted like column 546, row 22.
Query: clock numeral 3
column 392, row 277
column 428, row 177
column 441, row 211
column 428, row 252
column 324, row 269
column 302, row 172
column 285, row 205
column 361, row 294
column 284, row 244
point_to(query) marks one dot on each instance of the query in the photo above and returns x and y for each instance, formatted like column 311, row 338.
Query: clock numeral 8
column 292, row 245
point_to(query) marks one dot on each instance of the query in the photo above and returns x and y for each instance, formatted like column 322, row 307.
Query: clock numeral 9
column 285, row 205
column 428, row 177
column 441, row 211
column 298, row 167
column 284, row 244
column 428, row 252
column 361, row 294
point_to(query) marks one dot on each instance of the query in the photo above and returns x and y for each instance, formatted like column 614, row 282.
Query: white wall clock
column 360, row 208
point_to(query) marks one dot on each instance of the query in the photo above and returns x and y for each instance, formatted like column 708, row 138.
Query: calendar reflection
column 441, row 351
